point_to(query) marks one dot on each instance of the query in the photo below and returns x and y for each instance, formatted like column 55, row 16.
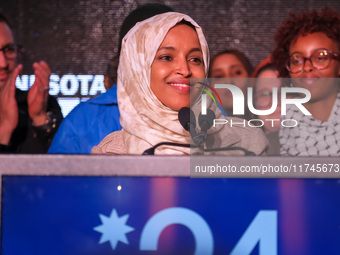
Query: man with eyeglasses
column 28, row 121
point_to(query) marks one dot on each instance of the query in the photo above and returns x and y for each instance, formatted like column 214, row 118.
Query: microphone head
column 206, row 121
column 187, row 118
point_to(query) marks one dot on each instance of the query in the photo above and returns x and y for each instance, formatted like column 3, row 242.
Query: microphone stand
column 151, row 151
column 246, row 152
column 187, row 119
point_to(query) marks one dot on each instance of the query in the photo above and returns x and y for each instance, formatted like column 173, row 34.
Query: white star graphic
column 113, row 229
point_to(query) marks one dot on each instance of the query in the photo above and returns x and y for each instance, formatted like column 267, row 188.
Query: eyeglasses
column 320, row 60
column 11, row 51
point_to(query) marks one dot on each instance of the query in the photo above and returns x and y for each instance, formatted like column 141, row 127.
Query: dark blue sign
column 152, row 215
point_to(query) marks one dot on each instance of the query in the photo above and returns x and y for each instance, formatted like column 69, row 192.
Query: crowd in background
column 139, row 112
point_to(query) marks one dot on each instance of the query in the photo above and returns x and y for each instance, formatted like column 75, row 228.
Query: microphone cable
column 151, row 151
column 188, row 121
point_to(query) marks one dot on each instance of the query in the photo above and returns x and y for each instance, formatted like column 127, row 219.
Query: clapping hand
column 38, row 94
column 8, row 107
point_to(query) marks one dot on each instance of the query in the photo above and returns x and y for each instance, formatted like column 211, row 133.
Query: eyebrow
column 220, row 69
column 217, row 70
column 195, row 49
column 8, row 45
column 312, row 52
column 173, row 49
column 237, row 65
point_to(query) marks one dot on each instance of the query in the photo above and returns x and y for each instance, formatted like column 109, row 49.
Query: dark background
column 80, row 36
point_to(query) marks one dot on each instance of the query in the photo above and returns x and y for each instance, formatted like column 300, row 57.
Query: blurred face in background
column 228, row 66
column 266, row 81
column 7, row 64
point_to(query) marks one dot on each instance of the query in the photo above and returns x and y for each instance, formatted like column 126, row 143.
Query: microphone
column 187, row 119
column 206, row 121
column 185, row 114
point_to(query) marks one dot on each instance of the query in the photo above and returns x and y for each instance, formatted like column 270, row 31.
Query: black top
column 29, row 139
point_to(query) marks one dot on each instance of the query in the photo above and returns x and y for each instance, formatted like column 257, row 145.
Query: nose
column 183, row 68
column 227, row 77
column 224, row 80
column 3, row 60
column 308, row 67
column 229, row 80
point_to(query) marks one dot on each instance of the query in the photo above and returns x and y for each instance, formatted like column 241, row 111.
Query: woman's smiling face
column 178, row 58
column 310, row 77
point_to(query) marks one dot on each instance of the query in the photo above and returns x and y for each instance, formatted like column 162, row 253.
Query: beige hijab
column 145, row 120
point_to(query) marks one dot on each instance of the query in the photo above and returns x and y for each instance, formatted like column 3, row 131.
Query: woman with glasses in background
column 307, row 52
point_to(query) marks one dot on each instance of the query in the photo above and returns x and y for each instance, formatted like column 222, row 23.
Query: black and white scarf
column 311, row 137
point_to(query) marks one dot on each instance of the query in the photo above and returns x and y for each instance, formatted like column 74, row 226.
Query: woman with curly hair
column 307, row 52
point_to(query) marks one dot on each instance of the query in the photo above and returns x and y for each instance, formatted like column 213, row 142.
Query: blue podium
column 63, row 204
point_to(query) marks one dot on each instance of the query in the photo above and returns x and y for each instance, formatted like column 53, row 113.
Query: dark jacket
column 29, row 139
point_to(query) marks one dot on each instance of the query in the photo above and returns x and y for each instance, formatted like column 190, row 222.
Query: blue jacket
column 87, row 124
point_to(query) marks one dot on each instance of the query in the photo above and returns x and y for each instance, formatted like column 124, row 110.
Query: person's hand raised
column 38, row 94
column 8, row 108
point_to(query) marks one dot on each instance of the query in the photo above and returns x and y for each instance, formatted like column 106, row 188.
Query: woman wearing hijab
column 158, row 58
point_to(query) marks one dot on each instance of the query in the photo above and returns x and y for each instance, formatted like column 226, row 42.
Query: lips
column 181, row 86
column 3, row 75
column 309, row 79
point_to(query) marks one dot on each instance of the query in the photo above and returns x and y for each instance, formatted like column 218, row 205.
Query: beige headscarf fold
column 145, row 120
